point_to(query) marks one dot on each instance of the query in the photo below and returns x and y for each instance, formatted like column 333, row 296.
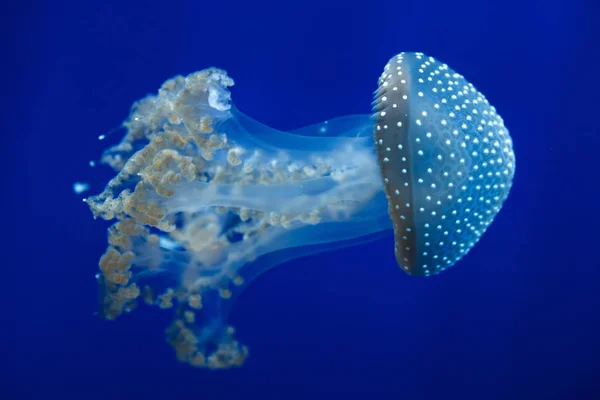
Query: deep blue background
column 517, row 318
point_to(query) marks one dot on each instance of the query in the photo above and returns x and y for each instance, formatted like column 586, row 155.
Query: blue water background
column 517, row 318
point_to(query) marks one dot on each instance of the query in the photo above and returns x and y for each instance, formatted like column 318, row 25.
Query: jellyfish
column 204, row 198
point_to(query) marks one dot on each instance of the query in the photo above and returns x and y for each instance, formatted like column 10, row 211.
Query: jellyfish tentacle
column 207, row 199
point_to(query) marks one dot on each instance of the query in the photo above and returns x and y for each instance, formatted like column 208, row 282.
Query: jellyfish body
column 446, row 159
column 206, row 199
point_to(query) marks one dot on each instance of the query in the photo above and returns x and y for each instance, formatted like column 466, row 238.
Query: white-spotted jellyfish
column 205, row 198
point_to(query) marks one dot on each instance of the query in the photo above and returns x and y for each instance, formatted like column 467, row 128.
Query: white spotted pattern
column 448, row 161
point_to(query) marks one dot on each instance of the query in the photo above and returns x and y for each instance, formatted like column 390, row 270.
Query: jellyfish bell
column 205, row 198
column 446, row 159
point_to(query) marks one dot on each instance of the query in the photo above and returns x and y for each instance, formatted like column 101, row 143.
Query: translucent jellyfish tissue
column 205, row 198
